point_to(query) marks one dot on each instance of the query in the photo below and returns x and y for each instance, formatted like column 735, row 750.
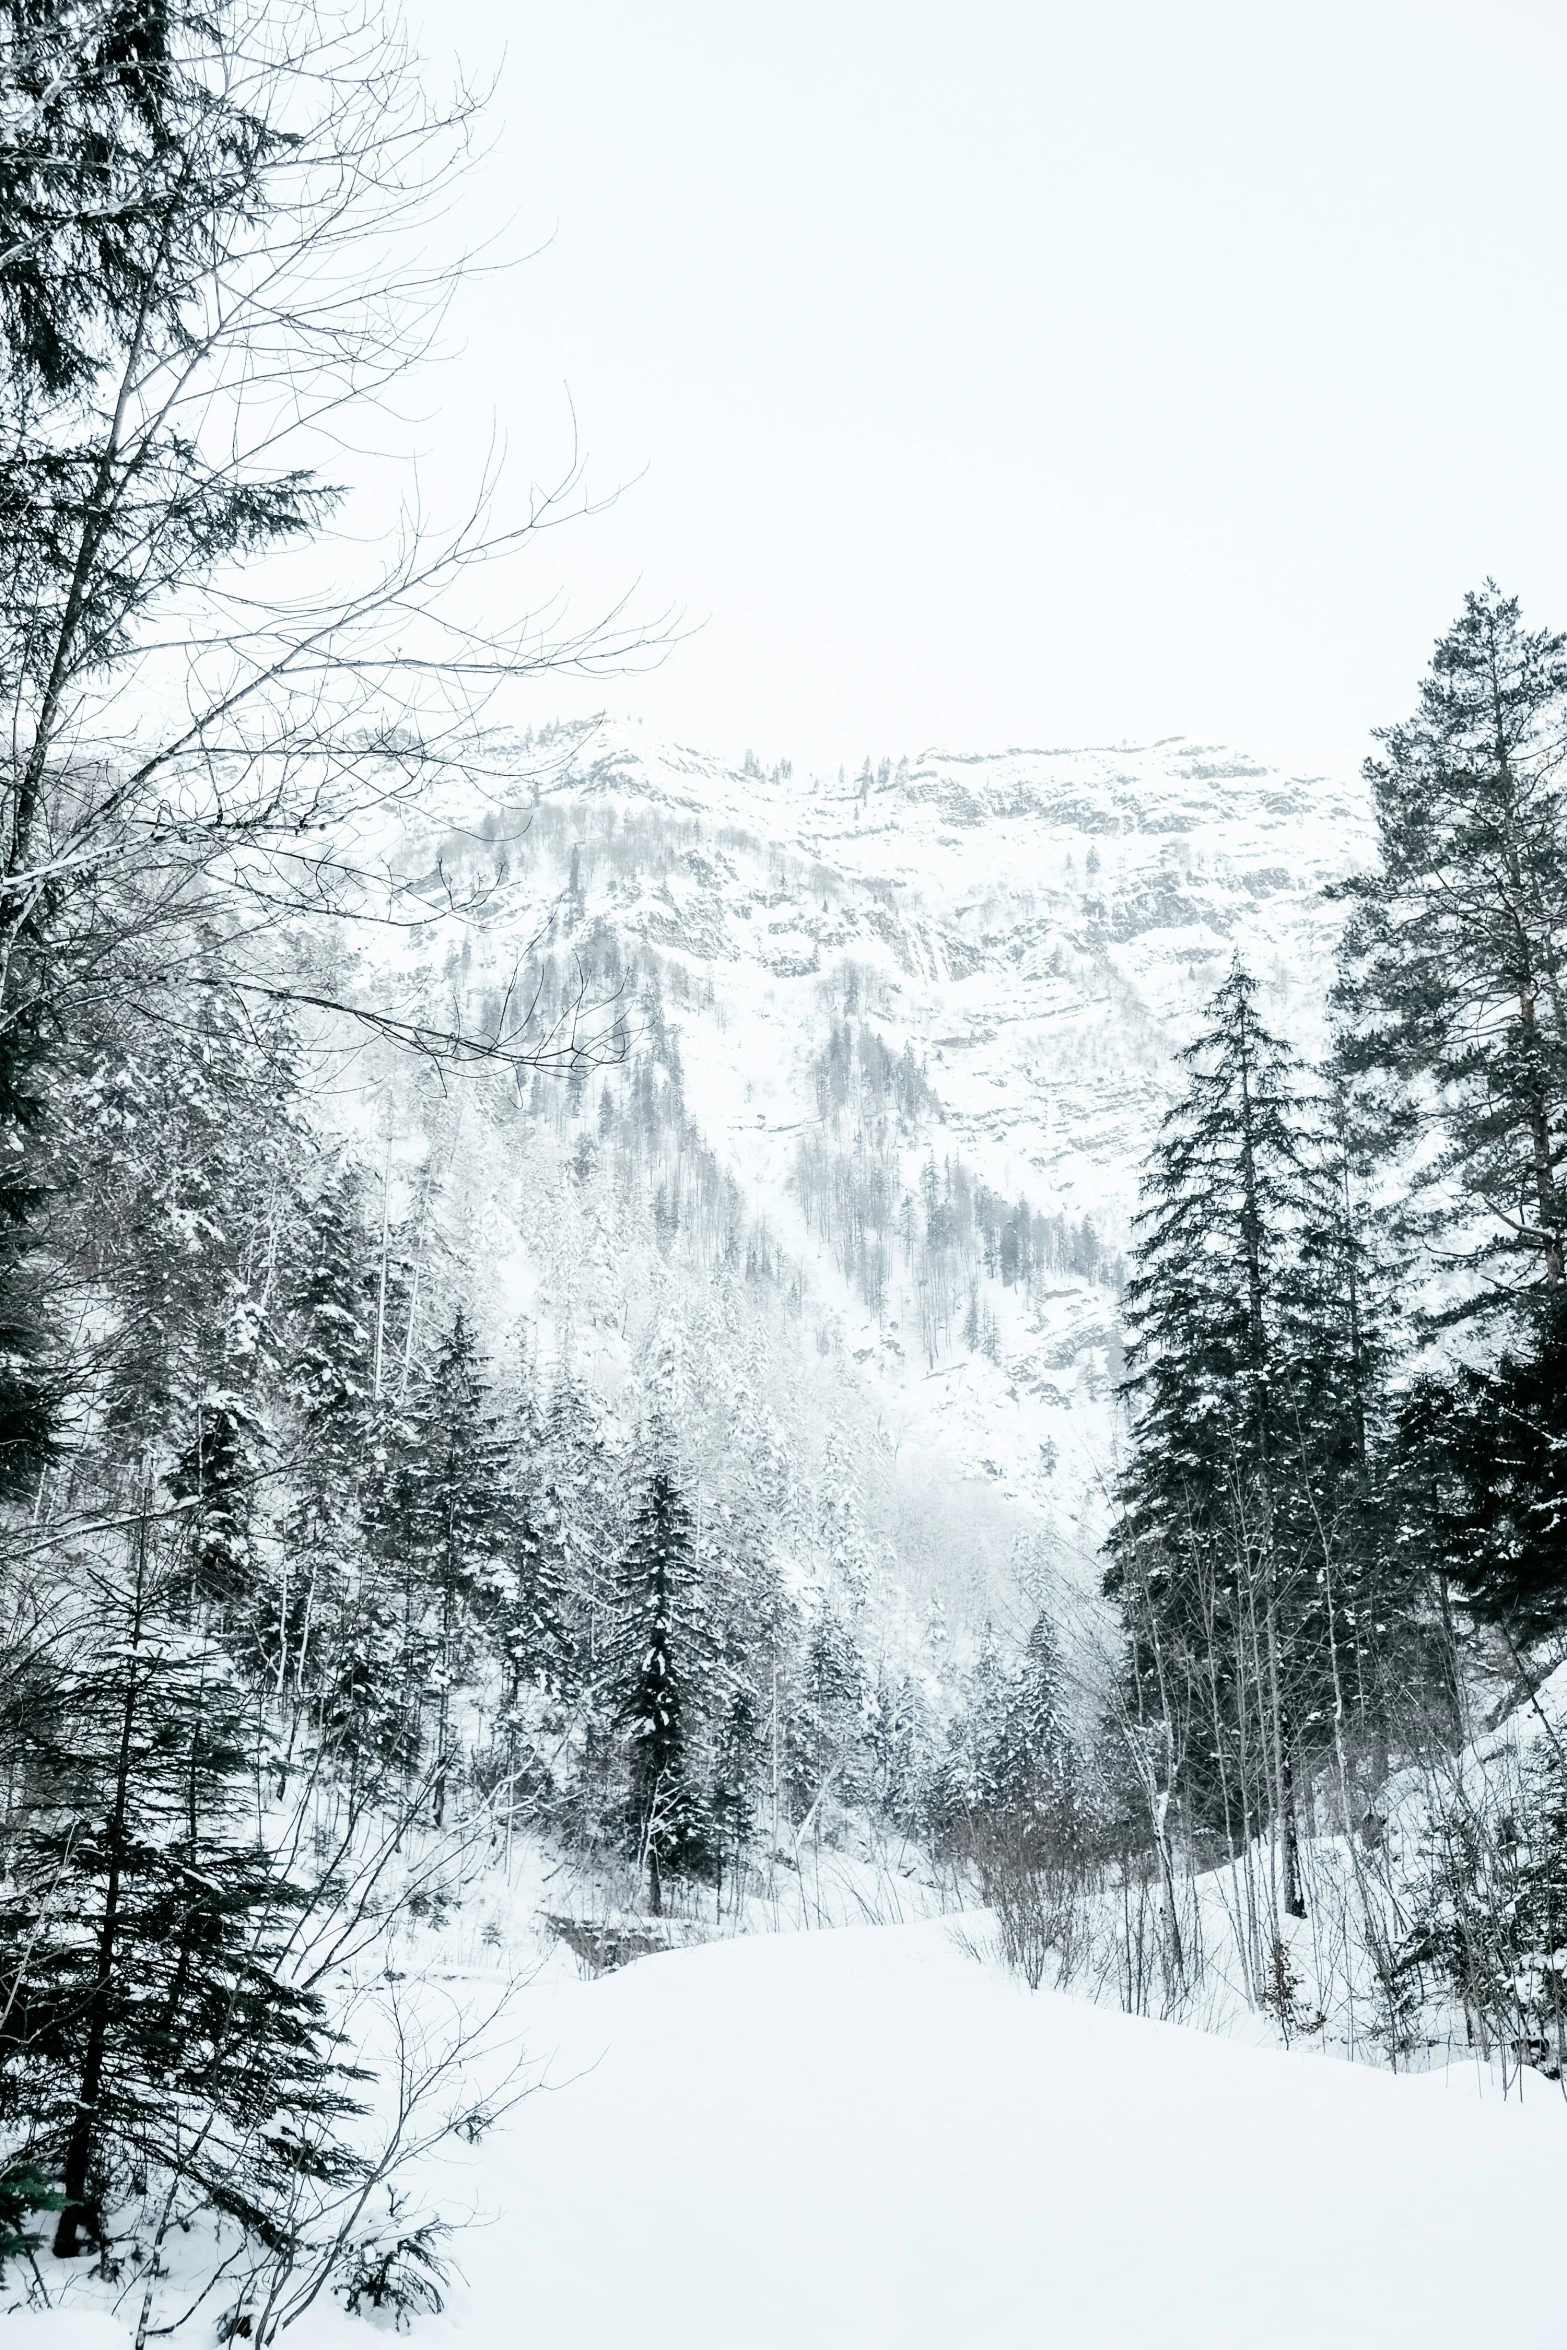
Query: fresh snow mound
column 868, row 2138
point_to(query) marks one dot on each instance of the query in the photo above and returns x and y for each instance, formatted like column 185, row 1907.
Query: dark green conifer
column 737, row 1764
column 153, row 2023
column 1451, row 988
column 1453, row 1029
column 1243, row 1384
column 442, row 1528
column 656, row 1658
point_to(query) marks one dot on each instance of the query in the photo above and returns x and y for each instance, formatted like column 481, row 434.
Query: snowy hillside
column 912, row 1016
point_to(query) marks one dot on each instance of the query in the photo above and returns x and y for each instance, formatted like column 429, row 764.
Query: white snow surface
column 63, row 2329
column 871, row 2137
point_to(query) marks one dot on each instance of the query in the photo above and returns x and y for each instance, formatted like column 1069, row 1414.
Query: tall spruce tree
column 899, row 1738
column 829, row 1723
column 1453, row 1025
column 1349, row 1326
column 1036, row 1763
column 656, row 1659
column 1451, row 986
column 737, row 1769
column 448, row 1506
column 329, row 1303
column 1241, row 1380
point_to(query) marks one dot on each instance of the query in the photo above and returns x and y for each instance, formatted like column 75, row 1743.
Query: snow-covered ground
column 869, row 2137
column 873, row 2135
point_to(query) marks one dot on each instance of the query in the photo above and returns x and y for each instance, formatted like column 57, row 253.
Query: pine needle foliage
column 1453, row 1033
column 154, row 2024
column 656, row 1658
column 1247, row 1554
column 1451, row 986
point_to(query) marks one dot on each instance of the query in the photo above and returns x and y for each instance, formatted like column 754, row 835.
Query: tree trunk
column 1294, row 1898
column 76, row 2212
column 1539, row 1108
column 1283, row 1766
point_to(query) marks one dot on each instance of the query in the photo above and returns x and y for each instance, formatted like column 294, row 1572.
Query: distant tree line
column 930, row 1242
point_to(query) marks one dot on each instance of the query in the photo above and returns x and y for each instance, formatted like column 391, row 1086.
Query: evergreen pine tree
column 145, row 1930
column 1451, row 983
column 737, row 1762
column 31, row 1150
column 531, row 1609
column 1455, row 1028
column 330, row 1304
column 216, row 1473
column 1454, row 1025
column 657, row 1654
column 1036, row 1752
column 1236, row 1366
column 576, row 1512
column 832, row 1704
column 439, row 1529
column 898, row 1739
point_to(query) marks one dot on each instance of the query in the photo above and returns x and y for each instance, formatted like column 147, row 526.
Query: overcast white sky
column 1029, row 374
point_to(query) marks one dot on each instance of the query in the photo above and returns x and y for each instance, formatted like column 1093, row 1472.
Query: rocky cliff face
column 1041, row 925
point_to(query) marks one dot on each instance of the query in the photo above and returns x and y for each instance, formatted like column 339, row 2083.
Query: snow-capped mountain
column 898, row 1004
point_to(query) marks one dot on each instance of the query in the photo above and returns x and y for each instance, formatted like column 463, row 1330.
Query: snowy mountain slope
column 880, row 1002
column 1044, row 922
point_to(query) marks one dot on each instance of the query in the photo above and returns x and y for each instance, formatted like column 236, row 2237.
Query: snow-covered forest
column 945, row 1373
